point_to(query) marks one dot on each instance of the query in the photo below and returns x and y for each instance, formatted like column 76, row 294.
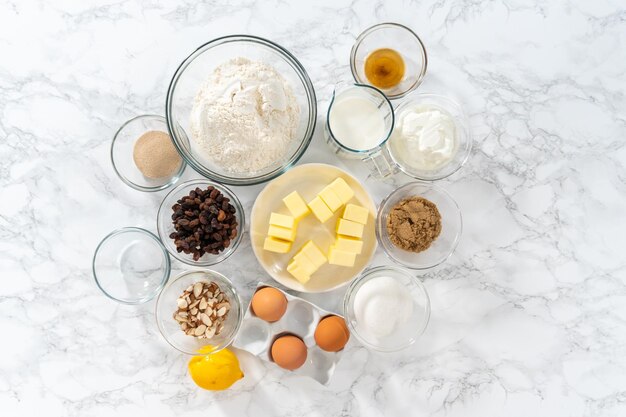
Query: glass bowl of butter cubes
column 313, row 229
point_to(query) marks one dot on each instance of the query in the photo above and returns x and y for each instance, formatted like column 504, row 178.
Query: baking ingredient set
column 241, row 110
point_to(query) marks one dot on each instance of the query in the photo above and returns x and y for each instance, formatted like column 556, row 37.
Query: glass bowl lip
column 391, row 128
column 168, row 265
column 213, row 259
column 370, row 30
column 311, row 100
column 232, row 287
column 465, row 124
column 366, row 274
column 172, row 180
column 379, row 226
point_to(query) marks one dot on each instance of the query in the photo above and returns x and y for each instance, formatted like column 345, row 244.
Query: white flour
column 245, row 116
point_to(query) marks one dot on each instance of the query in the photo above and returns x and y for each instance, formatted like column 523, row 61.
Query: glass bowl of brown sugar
column 419, row 225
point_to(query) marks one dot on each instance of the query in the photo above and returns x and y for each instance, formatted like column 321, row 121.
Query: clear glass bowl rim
column 213, row 259
column 371, row 29
column 128, row 182
column 400, row 189
column 364, row 275
column 311, row 100
column 166, row 275
column 238, row 302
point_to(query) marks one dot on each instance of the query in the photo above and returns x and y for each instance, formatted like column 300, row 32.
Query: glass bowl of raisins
column 200, row 222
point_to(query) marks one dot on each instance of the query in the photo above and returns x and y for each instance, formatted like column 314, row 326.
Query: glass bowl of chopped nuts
column 199, row 312
column 200, row 222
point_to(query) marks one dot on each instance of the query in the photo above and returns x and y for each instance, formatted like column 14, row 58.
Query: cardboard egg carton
column 301, row 318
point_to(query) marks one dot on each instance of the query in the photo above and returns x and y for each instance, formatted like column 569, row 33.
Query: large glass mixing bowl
column 193, row 72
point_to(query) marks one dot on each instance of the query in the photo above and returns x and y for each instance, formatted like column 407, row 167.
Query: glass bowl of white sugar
column 241, row 110
column 387, row 308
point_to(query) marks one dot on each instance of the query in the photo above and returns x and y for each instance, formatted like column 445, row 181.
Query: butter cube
column 342, row 189
column 320, row 209
column 339, row 257
column 297, row 272
column 356, row 213
column 305, row 263
column 314, row 254
column 282, row 220
column 331, row 199
column 296, row 205
column 349, row 228
column 276, row 245
column 348, row 244
column 282, row 233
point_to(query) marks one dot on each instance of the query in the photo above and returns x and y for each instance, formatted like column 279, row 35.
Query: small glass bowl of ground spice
column 144, row 156
column 200, row 222
column 419, row 225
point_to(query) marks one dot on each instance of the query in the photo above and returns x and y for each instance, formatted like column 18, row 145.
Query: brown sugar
column 413, row 224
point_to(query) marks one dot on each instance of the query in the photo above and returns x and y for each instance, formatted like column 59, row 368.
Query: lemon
column 215, row 371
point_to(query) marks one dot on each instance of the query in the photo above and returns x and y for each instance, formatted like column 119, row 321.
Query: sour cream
column 424, row 138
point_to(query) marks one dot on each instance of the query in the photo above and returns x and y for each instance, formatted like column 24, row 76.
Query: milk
column 356, row 121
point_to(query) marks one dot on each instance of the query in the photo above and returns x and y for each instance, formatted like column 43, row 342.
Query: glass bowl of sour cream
column 387, row 308
column 431, row 139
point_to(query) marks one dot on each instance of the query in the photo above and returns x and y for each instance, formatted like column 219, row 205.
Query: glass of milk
column 359, row 122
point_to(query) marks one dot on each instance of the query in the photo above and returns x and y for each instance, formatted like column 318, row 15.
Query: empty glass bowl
column 451, row 226
column 193, row 72
column 405, row 333
column 131, row 266
column 122, row 149
column 166, row 306
column 165, row 225
column 399, row 38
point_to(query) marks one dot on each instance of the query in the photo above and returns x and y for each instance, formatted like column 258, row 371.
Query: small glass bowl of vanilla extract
column 390, row 57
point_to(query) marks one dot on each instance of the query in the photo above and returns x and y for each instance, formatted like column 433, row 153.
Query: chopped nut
column 206, row 319
column 201, row 310
column 197, row 289
column 200, row 330
column 223, row 304
column 210, row 332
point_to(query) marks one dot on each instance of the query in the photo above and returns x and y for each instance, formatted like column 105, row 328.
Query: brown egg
column 269, row 304
column 332, row 334
column 289, row 352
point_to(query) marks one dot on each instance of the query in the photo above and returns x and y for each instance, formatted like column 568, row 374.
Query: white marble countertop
column 528, row 316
